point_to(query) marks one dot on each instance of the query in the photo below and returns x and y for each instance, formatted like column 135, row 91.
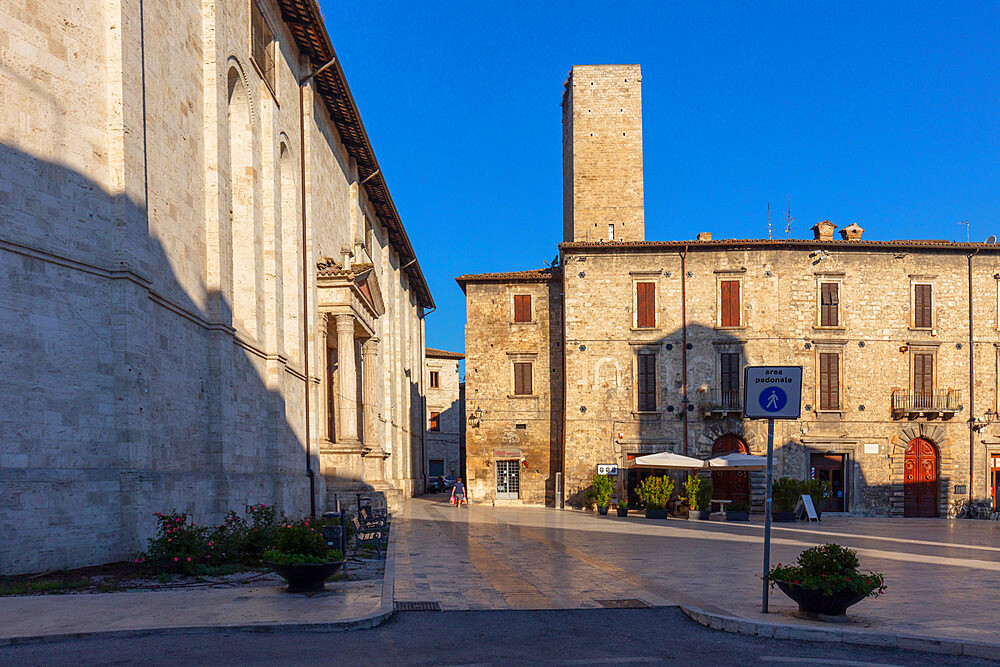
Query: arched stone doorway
column 920, row 479
column 732, row 484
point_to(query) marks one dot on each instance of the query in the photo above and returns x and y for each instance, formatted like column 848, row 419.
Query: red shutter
column 435, row 421
column 647, row 382
column 922, row 306
column 522, row 307
column 923, row 378
column 829, row 381
column 730, row 303
column 522, row 379
column 645, row 304
column 829, row 304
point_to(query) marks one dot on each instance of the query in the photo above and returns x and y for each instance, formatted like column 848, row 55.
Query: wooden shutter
column 522, row 307
column 645, row 304
column 647, row 382
column 829, row 304
column 730, row 362
column 829, row 381
column 435, row 421
column 730, row 303
column 922, row 306
column 522, row 379
column 923, row 377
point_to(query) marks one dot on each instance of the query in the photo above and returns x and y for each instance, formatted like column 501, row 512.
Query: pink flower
column 175, row 559
column 189, row 559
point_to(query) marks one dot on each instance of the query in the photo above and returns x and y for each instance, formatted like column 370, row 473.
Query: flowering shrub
column 178, row 545
column 301, row 542
column 831, row 569
column 245, row 539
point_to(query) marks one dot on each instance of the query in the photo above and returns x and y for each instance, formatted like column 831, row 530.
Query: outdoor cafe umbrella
column 668, row 460
column 737, row 460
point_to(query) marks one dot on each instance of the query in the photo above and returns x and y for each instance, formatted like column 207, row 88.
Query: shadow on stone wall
column 123, row 396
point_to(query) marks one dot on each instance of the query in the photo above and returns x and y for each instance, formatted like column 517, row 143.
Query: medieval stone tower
column 602, row 154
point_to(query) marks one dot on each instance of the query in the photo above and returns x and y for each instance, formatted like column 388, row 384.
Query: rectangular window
column 522, row 379
column 829, row 381
column 522, row 307
column 435, row 422
column 645, row 301
column 262, row 40
column 611, row 232
column 730, row 303
column 435, row 379
column 923, row 379
column 922, row 318
column 647, row 382
column 435, row 467
column 730, row 375
column 829, row 314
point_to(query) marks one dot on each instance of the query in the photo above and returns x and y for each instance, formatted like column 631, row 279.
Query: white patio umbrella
column 737, row 460
column 668, row 460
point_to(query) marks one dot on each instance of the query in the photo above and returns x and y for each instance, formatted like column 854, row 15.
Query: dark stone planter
column 602, row 510
column 816, row 604
column 783, row 516
column 738, row 516
column 307, row 578
column 698, row 515
column 622, row 511
column 657, row 514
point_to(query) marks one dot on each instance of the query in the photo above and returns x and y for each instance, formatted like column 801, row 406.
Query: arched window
column 245, row 226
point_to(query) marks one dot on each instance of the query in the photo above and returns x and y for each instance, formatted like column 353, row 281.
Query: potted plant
column 785, row 493
column 738, row 511
column 622, row 508
column 302, row 557
column 600, row 490
column 697, row 495
column 826, row 581
column 655, row 492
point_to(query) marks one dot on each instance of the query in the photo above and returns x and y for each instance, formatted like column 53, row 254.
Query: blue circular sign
column 772, row 399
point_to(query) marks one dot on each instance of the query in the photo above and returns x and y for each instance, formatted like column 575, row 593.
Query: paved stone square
column 940, row 573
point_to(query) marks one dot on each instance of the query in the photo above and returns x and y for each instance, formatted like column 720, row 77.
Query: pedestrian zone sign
column 772, row 392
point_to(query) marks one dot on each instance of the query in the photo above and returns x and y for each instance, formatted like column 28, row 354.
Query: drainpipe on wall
column 972, row 390
column 684, row 346
column 305, row 287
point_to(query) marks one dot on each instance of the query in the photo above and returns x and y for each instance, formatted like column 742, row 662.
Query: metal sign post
column 771, row 392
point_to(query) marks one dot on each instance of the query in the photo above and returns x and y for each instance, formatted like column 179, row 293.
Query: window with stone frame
column 923, row 306
column 829, row 381
column 829, row 308
column 435, row 379
column 262, row 45
column 645, row 305
column 522, row 378
column 729, row 304
column 435, row 422
column 646, row 381
column 522, row 307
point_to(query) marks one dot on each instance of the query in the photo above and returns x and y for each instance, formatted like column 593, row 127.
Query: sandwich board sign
column 772, row 392
column 805, row 506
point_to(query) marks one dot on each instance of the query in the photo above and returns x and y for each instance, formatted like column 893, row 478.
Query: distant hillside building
column 628, row 347
column 443, row 440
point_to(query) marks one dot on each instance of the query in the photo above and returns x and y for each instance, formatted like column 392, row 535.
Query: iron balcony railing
column 724, row 400
column 907, row 402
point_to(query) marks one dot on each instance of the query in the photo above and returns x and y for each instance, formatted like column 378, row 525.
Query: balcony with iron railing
column 723, row 401
column 914, row 404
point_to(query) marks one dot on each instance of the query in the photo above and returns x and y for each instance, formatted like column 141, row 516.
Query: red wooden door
column 732, row 484
column 920, row 487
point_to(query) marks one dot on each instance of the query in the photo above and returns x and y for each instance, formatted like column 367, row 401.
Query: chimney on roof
column 704, row 236
column 823, row 231
column 852, row 232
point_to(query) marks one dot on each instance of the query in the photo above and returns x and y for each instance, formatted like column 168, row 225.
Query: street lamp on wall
column 476, row 417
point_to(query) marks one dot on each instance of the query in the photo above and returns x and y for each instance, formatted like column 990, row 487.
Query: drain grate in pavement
column 416, row 605
column 631, row 603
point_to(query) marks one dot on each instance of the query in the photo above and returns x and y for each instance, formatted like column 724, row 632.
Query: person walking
column 458, row 493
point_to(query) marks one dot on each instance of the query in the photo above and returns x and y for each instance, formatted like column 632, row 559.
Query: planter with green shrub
column 622, row 508
column 601, row 488
column 302, row 557
column 785, row 493
column 739, row 511
column 825, row 581
column 655, row 493
column 698, row 496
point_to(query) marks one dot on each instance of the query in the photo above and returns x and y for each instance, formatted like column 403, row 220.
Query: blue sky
column 884, row 114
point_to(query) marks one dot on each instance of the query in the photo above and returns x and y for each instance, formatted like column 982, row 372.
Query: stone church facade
column 627, row 346
column 207, row 297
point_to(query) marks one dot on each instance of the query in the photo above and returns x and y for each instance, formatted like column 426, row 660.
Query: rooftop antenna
column 768, row 221
column 966, row 223
column 991, row 239
column 789, row 218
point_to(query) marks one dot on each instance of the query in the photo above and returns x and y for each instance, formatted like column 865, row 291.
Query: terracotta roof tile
column 781, row 243
column 533, row 276
column 442, row 354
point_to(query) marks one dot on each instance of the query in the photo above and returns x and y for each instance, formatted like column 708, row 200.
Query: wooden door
column 832, row 469
column 730, row 484
column 920, row 487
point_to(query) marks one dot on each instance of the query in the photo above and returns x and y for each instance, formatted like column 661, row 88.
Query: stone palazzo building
column 207, row 297
column 443, row 441
column 627, row 347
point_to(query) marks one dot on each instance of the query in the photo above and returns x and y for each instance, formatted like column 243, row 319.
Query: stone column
column 323, row 327
column 347, row 387
column 369, row 355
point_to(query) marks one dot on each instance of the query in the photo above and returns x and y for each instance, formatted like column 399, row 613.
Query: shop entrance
column 995, row 480
column 508, row 480
column 920, row 492
column 832, row 469
column 731, row 484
